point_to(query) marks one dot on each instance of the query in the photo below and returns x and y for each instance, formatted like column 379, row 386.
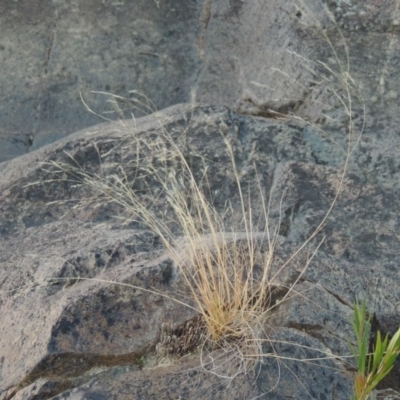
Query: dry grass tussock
column 225, row 259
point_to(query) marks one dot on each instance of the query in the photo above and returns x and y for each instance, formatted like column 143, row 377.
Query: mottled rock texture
column 234, row 53
column 68, row 328
column 54, row 52
column 77, row 338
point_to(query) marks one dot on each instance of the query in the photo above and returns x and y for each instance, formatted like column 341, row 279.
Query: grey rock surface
column 67, row 330
column 77, row 338
column 54, row 52
column 249, row 56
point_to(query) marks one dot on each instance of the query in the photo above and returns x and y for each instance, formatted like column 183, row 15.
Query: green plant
column 371, row 367
column 140, row 362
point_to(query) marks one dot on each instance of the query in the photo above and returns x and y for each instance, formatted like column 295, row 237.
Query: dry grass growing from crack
column 228, row 271
column 224, row 258
column 226, row 262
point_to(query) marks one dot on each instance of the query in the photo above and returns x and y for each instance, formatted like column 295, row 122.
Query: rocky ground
column 67, row 338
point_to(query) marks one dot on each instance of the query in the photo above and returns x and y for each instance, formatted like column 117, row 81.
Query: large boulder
column 91, row 300
column 249, row 56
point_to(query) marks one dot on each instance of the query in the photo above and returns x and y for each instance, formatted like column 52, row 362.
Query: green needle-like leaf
column 372, row 368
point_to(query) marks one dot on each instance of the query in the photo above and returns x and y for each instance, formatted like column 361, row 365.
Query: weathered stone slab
column 74, row 338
